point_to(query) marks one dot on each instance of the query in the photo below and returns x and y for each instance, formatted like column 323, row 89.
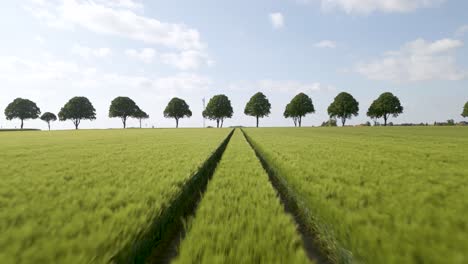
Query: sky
column 152, row 51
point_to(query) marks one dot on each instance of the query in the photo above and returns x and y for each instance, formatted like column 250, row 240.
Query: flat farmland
column 252, row 195
column 85, row 196
column 376, row 195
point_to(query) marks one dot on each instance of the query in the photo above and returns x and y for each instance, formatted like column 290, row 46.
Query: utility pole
column 203, row 110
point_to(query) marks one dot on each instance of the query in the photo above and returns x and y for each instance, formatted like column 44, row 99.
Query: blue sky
column 155, row 50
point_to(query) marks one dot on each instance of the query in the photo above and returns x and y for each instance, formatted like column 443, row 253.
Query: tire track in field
column 160, row 242
column 309, row 239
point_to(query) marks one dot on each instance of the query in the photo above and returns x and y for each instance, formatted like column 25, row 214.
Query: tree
column 177, row 109
column 218, row 108
column 372, row 113
column 48, row 117
column 300, row 106
column 288, row 113
column 122, row 107
column 387, row 104
column 465, row 110
column 258, row 106
column 22, row 109
column 344, row 107
column 77, row 109
column 330, row 123
column 140, row 115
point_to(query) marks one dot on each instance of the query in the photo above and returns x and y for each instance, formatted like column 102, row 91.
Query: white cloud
column 39, row 39
column 326, row 44
column 277, row 20
column 128, row 4
column 54, row 73
column 183, row 82
column 418, row 60
column 183, row 60
column 281, row 86
column 115, row 18
column 87, row 52
column 461, row 31
column 186, row 60
column 146, row 55
column 290, row 86
column 50, row 82
column 369, row 6
column 18, row 69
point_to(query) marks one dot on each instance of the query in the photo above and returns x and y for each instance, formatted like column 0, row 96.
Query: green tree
column 372, row 113
column 344, row 107
column 288, row 113
column 76, row 109
column 465, row 110
column 177, row 109
column 330, row 123
column 258, row 106
column 218, row 108
column 385, row 106
column 48, row 117
column 22, row 109
column 300, row 106
column 140, row 115
column 122, row 107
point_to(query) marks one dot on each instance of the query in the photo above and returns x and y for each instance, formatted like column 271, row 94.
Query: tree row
column 219, row 107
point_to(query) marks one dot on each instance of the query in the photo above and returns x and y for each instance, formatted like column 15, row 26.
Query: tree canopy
column 22, row 109
column 465, row 110
column 48, row 117
column 258, row 106
column 76, row 109
column 288, row 113
column 218, row 108
column 123, row 107
column 387, row 104
column 329, row 123
column 300, row 106
column 140, row 115
column 344, row 107
column 177, row 108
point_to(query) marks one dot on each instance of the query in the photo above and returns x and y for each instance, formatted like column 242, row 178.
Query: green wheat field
column 366, row 194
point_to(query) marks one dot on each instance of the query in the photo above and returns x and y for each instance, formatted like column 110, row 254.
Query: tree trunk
column 295, row 121
column 300, row 121
column 124, row 121
column 222, row 122
column 76, row 122
column 21, row 123
column 257, row 121
column 343, row 121
column 177, row 123
column 385, row 120
column 140, row 122
column 217, row 123
column 48, row 124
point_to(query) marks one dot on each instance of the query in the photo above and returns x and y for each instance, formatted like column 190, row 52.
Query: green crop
column 240, row 218
column 371, row 195
column 81, row 196
column 377, row 195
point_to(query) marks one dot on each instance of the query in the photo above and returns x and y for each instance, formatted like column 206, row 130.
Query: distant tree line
column 219, row 107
